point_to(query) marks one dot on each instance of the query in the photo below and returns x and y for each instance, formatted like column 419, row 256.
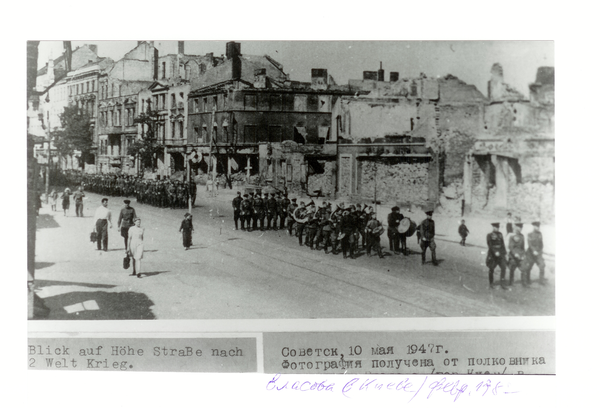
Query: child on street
column 463, row 231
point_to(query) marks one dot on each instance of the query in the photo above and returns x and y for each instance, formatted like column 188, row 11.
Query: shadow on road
column 46, row 221
column 40, row 283
column 42, row 265
column 148, row 274
column 110, row 306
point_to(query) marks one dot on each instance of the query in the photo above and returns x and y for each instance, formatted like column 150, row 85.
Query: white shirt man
column 102, row 221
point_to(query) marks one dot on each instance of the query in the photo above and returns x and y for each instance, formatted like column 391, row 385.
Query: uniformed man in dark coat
column 237, row 209
column 347, row 227
column 126, row 218
column 259, row 211
column 283, row 210
column 516, row 255
column 291, row 220
column 496, row 255
column 300, row 215
column 312, row 225
column 246, row 213
column 393, row 221
column 427, row 229
column 535, row 252
column 271, row 207
column 252, row 198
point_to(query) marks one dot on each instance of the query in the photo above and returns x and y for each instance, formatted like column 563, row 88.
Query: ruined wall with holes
column 325, row 181
column 400, row 183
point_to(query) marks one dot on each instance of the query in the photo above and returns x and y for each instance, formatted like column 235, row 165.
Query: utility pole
column 189, row 182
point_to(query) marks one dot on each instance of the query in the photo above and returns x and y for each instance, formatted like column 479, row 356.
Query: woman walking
column 66, row 202
column 135, row 246
column 186, row 229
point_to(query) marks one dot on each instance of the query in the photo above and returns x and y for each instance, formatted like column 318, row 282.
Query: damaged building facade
column 396, row 141
column 255, row 125
column 511, row 165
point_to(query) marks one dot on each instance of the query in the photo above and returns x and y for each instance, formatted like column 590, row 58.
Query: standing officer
column 253, row 213
column 427, row 229
column 347, row 227
column 496, row 255
column 374, row 229
column 535, row 250
column 393, row 221
column 126, row 217
column 516, row 255
column 237, row 209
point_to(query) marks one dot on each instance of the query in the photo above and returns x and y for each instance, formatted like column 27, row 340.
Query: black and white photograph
column 234, row 179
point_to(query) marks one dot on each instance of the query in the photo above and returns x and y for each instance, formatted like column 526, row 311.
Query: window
column 196, row 133
column 250, row 102
column 164, row 70
column 275, row 134
column 93, row 85
column 155, row 102
column 276, row 103
column 173, row 100
column 120, row 90
column 196, row 105
column 181, row 130
column 112, row 90
column 215, row 103
column 205, row 104
column 300, row 103
column 204, row 134
column 162, row 101
column 250, row 134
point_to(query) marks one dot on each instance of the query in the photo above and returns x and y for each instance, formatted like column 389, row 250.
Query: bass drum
column 407, row 227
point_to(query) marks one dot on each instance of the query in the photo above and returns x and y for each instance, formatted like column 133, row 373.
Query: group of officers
column 517, row 256
column 166, row 193
column 327, row 228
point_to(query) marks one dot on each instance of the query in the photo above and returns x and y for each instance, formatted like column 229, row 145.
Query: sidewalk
column 446, row 227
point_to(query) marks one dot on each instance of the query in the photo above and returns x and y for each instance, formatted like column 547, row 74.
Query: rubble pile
column 400, row 182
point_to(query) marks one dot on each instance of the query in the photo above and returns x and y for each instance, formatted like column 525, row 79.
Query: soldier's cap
column 245, row 195
column 294, row 199
column 536, row 223
column 187, row 214
column 238, row 193
column 496, row 224
column 127, row 201
column 429, row 212
column 395, row 208
column 272, row 194
column 519, row 224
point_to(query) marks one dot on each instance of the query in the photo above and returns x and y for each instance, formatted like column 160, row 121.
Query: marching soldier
column 126, row 217
column 300, row 214
column 246, row 213
column 237, row 209
column 271, row 206
column 284, row 204
column 516, row 255
column 393, row 222
column 347, row 227
column 427, row 229
column 259, row 211
column 496, row 255
column 374, row 229
column 326, row 225
column 292, row 207
column 312, row 225
column 254, row 219
column 535, row 250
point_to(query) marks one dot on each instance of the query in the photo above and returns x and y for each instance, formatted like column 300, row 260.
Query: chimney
column 232, row 51
column 380, row 72
column 318, row 78
column 394, row 76
column 93, row 48
column 545, row 76
column 180, row 47
column 260, row 78
column 68, row 55
column 369, row 75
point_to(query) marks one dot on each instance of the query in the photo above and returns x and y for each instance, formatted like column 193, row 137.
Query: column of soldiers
column 319, row 228
column 160, row 193
column 517, row 256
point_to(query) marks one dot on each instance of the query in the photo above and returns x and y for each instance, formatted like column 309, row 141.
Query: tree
column 76, row 134
column 147, row 147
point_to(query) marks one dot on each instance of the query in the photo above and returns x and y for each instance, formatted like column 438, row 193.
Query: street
column 231, row 274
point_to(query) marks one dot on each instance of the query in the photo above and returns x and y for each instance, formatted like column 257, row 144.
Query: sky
column 470, row 61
